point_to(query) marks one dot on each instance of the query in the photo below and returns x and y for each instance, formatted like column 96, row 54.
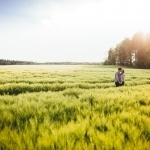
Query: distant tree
column 111, row 57
column 120, row 54
column 127, row 52
column 14, row 62
column 134, row 52
column 147, row 38
column 139, row 50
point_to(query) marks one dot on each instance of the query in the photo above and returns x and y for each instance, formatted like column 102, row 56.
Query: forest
column 16, row 62
column 134, row 52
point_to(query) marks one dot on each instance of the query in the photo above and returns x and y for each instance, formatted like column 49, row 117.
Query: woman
column 122, row 77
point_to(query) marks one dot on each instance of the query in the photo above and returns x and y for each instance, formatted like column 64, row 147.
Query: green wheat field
column 58, row 107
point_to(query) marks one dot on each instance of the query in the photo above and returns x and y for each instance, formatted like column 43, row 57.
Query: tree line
column 134, row 52
column 16, row 62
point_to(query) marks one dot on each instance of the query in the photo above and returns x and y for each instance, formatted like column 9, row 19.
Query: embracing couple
column 119, row 77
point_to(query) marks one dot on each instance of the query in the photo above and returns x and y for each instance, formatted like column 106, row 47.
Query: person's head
column 122, row 71
column 119, row 69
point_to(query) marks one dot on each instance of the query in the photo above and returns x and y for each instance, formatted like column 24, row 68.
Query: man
column 118, row 77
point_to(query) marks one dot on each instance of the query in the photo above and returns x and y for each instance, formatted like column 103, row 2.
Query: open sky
column 68, row 30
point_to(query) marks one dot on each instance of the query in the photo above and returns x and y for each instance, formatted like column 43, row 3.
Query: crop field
column 61, row 107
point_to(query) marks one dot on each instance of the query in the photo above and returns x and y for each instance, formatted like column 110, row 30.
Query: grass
column 72, row 108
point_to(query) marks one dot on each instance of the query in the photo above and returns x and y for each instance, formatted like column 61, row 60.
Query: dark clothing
column 122, row 84
column 117, row 84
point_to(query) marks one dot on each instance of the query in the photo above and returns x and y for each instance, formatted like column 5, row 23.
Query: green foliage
column 73, row 108
column 133, row 52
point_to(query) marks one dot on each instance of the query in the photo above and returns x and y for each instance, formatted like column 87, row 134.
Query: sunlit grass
column 74, row 107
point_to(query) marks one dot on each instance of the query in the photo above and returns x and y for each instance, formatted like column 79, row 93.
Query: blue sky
column 68, row 30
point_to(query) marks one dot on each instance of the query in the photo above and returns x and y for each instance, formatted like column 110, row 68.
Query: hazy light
column 68, row 30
